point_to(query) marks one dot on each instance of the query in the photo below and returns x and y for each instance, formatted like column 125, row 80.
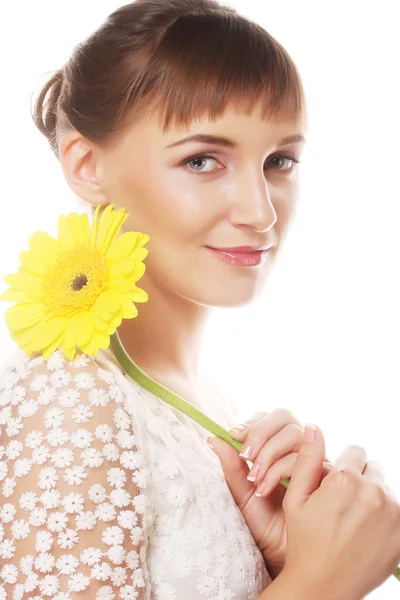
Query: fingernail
column 310, row 432
column 211, row 446
column 260, row 490
column 246, row 453
column 253, row 474
column 237, row 429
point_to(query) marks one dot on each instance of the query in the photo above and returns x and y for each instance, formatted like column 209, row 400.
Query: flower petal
column 44, row 247
column 83, row 328
column 103, row 221
column 11, row 295
column 50, row 331
column 139, row 271
column 79, row 226
column 25, row 314
column 114, row 323
column 139, row 252
column 24, row 337
column 69, row 353
column 139, row 295
column 31, row 263
column 90, row 347
column 122, row 285
column 129, row 310
column 38, row 337
column 99, row 323
column 110, row 223
column 51, row 348
column 29, row 348
column 69, row 337
column 69, row 342
column 102, row 339
column 126, row 245
column 109, row 302
column 24, row 281
column 123, row 268
column 66, row 237
column 95, row 225
column 102, row 312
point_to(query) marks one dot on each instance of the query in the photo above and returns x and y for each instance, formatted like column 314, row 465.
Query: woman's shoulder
column 64, row 399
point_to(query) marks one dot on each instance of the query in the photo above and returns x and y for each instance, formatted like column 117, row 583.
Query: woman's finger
column 356, row 457
column 282, row 469
column 288, row 439
column 240, row 431
column 352, row 456
column 264, row 429
column 374, row 472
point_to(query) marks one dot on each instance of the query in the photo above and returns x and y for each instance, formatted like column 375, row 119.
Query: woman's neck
column 166, row 335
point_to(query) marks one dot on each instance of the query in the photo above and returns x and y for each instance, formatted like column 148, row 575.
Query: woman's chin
column 231, row 298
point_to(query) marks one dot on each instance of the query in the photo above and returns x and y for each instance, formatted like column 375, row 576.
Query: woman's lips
column 240, row 259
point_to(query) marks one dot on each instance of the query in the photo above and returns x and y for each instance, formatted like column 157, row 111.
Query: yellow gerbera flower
column 75, row 290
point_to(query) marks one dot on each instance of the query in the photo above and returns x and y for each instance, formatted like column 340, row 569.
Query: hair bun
column 44, row 113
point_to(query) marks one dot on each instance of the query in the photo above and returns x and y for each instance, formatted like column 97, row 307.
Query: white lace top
column 108, row 492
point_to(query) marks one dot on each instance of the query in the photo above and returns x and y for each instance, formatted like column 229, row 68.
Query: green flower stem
column 182, row 405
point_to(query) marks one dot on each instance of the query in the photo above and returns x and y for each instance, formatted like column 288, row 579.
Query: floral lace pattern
column 108, row 492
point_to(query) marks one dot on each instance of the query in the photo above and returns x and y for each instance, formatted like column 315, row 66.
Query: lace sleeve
column 72, row 482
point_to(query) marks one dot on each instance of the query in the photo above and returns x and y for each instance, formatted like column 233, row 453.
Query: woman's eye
column 289, row 157
column 197, row 162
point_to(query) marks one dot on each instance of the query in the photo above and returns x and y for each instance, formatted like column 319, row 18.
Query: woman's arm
column 72, row 504
column 289, row 586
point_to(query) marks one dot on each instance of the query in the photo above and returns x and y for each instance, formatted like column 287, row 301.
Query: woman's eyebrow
column 223, row 141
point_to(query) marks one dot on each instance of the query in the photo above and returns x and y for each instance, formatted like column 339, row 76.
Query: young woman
column 193, row 118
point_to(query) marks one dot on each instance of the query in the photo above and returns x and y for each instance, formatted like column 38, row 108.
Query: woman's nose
column 253, row 204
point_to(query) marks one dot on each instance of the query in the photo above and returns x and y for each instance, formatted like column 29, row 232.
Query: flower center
column 79, row 282
column 75, row 280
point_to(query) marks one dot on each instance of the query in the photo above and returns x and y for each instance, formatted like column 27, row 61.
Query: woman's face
column 244, row 195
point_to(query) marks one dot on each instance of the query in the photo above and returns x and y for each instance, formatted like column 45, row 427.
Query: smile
column 241, row 259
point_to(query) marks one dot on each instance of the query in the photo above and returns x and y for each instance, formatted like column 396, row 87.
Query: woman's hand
column 275, row 439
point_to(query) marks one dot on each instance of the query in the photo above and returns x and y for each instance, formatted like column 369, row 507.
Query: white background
column 324, row 338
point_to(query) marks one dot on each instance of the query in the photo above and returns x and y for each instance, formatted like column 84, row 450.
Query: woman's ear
column 82, row 165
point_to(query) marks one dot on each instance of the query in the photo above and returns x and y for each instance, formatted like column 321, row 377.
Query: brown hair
column 179, row 58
